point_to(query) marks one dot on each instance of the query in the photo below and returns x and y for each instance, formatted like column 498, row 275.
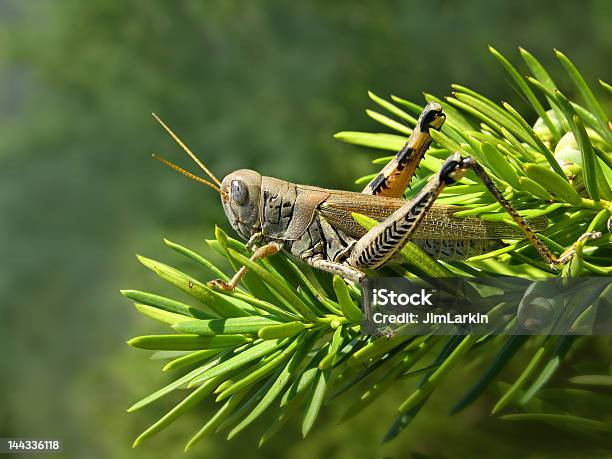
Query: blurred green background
column 262, row 85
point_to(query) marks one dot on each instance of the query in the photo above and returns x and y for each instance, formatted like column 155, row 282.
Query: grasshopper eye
column 238, row 192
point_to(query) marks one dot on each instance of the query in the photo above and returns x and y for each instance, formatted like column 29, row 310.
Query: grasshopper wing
column 439, row 223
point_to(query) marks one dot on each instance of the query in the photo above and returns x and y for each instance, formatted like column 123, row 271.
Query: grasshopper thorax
column 240, row 193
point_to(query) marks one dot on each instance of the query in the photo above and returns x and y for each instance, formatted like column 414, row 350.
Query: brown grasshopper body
column 316, row 225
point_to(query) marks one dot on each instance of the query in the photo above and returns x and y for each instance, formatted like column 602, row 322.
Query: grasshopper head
column 240, row 192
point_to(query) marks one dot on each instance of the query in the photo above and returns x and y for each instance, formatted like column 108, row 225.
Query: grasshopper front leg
column 261, row 252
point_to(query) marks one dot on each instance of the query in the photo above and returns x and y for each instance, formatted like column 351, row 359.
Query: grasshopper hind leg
column 396, row 176
column 552, row 259
column 383, row 241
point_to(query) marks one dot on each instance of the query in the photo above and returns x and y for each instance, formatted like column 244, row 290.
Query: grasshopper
column 315, row 224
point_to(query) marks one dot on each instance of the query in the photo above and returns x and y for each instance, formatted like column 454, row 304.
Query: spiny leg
column 387, row 238
column 542, row 248
column 261, row 252
column 397, row 174
column 383, row 241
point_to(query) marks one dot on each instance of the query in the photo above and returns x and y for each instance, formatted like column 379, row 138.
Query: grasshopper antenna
column 187, row 150
column 188, row 174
